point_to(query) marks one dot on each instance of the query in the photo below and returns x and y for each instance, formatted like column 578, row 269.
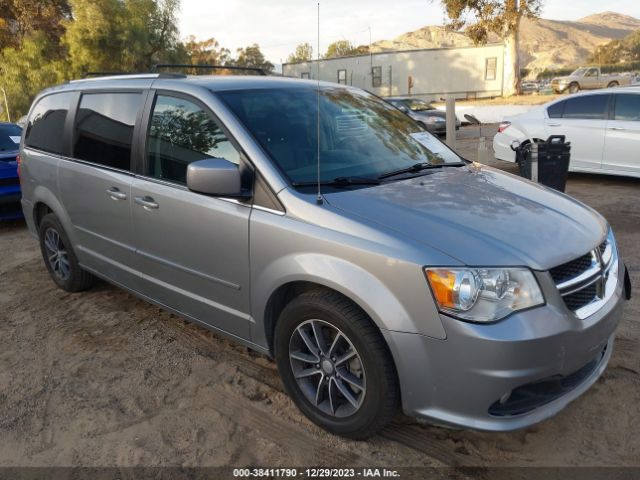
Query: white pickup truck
column 588, row 78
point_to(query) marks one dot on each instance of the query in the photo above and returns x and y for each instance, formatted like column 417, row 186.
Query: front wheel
column 335, row 365
column 574, row 88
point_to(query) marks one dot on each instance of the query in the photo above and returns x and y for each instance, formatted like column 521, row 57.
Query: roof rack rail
column 158, row 66
column 89, row 76
column 105, row 74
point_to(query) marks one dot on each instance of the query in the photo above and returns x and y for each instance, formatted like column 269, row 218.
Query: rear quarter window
column 556, row 110
column 45, row 127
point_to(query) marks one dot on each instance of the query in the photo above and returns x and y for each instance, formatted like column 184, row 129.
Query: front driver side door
column 192, row 249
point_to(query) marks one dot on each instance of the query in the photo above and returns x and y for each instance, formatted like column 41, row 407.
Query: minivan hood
column 480, row 216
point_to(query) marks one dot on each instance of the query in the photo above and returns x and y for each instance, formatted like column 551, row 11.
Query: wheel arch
column 282, row 279
column 44, row 202
column 288, row 291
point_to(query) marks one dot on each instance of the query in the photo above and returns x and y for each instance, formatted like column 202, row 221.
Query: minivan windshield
column 9, row 137
column 361, row 136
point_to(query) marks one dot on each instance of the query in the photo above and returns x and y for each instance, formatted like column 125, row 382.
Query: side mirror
column 215, row 176
column 403, row 108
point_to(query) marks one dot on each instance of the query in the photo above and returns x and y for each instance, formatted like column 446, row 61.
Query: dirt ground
column 102, row 378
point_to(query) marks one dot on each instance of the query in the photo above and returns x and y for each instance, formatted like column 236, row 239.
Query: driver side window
column 181, row 132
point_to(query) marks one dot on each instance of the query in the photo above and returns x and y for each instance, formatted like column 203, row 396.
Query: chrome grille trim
column 593, row 270
column 603, row 272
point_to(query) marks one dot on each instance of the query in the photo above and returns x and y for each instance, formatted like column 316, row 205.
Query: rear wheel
column 613, row 85
column 335, row 364
column 574, row 88
column 59, row 257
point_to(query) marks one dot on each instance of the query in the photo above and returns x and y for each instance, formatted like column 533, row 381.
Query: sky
column 279, row 25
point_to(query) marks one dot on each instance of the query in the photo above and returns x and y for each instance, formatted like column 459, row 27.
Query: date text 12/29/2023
column 315, row 473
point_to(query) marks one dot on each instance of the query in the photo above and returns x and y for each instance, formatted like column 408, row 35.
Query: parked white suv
column 603, row 127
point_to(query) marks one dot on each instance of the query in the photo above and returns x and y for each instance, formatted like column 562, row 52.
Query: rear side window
column 104, row 128
column 627, row 107
column 592, row 107
column 180, row 133
column 45, row 128
column 556, row 110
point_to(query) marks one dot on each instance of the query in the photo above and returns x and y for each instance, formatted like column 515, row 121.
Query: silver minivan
column 321, row 226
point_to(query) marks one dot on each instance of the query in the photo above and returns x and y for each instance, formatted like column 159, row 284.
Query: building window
column 376, row 76
column 342, row 77
column 305, row 75
column 490, row 68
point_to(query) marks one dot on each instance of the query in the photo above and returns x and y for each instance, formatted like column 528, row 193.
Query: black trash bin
column 553, row 161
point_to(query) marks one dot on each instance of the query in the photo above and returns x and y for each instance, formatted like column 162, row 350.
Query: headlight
column 483, row 294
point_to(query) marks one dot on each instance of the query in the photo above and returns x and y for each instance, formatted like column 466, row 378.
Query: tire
column 62, row 266
column 371, row 367
column 574, row 88
column 613, row 85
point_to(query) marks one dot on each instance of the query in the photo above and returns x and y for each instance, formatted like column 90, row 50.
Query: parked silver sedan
column 427, row 116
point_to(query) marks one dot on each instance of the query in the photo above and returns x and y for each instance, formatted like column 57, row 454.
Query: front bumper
column 460, row 380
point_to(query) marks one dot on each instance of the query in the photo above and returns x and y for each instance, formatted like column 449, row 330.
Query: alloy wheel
column 327, row 368
column 57, row 254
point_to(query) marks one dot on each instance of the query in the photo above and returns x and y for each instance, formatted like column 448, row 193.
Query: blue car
column 10, row 208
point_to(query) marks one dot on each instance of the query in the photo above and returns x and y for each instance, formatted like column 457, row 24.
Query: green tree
column 206, row 52
column 27, row 70
column 163, row 44
column 252, row 57
column 18, row 18
column 618, row 51
column 481, row 17
column 341, row 48
column 116, row 35
column 303, row 53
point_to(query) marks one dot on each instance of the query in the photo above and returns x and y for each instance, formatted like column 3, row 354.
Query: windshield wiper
column 417, row 167
column 341, row 182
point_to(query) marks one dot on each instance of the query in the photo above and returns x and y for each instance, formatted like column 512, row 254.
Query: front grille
column 7, row 182
column 602, row 247
column 580, row 281
column 581, row 298
column 571, row 269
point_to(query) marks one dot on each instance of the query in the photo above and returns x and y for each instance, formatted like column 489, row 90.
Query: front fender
column 366, row 290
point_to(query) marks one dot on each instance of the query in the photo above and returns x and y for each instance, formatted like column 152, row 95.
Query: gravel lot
column 102, row 378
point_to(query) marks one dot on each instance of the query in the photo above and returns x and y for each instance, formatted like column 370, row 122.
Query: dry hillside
column 544, row 43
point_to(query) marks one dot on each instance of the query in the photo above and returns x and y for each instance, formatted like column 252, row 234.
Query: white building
column 466, row 72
